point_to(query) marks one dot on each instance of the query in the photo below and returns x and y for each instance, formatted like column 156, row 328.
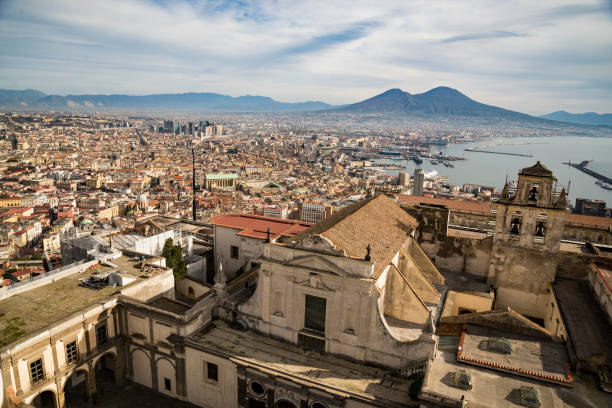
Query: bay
column 492, row 169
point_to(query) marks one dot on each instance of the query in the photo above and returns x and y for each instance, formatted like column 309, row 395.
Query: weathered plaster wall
column 207, row 393
column 452, row 254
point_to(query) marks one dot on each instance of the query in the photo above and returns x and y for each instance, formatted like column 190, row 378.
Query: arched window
column 516, row 222
column 540, row 228
column 533, row 192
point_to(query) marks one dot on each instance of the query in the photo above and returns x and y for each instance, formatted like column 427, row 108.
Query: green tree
column 174, row 259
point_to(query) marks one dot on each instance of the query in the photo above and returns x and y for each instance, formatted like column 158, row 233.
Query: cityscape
column 170, row 245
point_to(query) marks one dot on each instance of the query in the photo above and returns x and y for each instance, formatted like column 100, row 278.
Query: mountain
column 438, row 101
column 588, row 118
column 35, row 100
column 19, row 98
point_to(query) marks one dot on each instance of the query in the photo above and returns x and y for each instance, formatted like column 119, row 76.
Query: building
column 276, row 211
column 355, row 285
column 241, row 237
column 417, row 183
column 313, row 211
column 404, row 179
column 42, row 362
column 595, row 208
column 528, row 231
column 219, row 180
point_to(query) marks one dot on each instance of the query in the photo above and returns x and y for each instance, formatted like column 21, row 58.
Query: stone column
column 91, row 381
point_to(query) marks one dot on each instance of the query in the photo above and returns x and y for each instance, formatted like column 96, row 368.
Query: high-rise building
column 404, row 179
column 313, row 212
column 419, row 179
column 596, row 208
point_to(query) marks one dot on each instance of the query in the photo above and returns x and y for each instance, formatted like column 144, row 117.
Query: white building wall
column 225, row 238
column 203, row 392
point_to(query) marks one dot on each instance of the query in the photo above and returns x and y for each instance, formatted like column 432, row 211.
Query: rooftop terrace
column 27, row 312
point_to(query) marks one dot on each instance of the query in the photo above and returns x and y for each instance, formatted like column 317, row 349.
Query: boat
column 604, row 185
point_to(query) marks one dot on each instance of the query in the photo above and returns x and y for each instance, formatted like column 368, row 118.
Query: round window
column 257, row 388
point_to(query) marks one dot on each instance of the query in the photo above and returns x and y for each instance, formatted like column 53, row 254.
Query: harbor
column 602, row 181
column 472, row 149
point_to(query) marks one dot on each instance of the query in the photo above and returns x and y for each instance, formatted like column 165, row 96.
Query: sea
column 492, row 169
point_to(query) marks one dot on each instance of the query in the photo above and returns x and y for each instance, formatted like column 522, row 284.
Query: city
column 390, row 249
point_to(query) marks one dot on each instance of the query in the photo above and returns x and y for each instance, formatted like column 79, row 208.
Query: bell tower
column 528, row 230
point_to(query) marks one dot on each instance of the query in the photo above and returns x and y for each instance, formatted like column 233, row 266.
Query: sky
column 531, row 56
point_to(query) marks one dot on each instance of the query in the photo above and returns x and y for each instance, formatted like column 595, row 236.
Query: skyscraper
column 417, row 184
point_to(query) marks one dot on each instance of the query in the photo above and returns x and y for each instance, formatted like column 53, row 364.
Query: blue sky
column 530, row 56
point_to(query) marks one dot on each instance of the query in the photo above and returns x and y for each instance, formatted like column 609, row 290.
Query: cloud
column 529, row 56
column 482, row 36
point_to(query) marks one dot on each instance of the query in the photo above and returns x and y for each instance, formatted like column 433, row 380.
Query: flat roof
column 221, row 176
column 497, row 389
column 256, row 226
column 326, row 371
column 32, row 310
column 545, row 360
column 588, row 328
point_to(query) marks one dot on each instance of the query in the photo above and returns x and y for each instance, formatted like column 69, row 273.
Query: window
column 234, row 252
column 211, row 371
column 464, row 310
column 36, row 371
column 533, row 193
column 515, row 225
column 167, row 384
column 101, row 335
column 314, row 316
column 257, row 388
column 72, row 355
column 540, row 228
column 311, row 343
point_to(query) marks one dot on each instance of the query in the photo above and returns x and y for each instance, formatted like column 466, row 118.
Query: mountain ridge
column 586, row 118
column 36, row 100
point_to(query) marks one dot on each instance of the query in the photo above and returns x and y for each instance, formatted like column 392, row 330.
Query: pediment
column 319, row 263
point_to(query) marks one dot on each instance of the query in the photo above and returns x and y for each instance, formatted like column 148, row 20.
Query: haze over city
column 532, row 57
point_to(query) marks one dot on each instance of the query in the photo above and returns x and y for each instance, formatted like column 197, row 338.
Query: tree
column 174, row 259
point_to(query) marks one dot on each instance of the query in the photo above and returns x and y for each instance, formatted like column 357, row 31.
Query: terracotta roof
column 538, row 170
column 598, row 222
column 460, row 205
column 256, row 226
column 378, row 222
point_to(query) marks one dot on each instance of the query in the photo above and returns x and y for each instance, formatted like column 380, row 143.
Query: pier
column 470, row 149
column 582, row 167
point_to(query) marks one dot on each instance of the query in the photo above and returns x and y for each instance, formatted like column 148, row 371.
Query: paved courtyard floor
column 129, row 395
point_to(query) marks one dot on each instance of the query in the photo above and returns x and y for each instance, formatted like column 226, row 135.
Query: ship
column 604, row 185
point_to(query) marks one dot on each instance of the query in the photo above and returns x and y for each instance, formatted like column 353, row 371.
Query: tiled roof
column 460, row 205
column 256, row 226
column 598, row 222
column 378, row 222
